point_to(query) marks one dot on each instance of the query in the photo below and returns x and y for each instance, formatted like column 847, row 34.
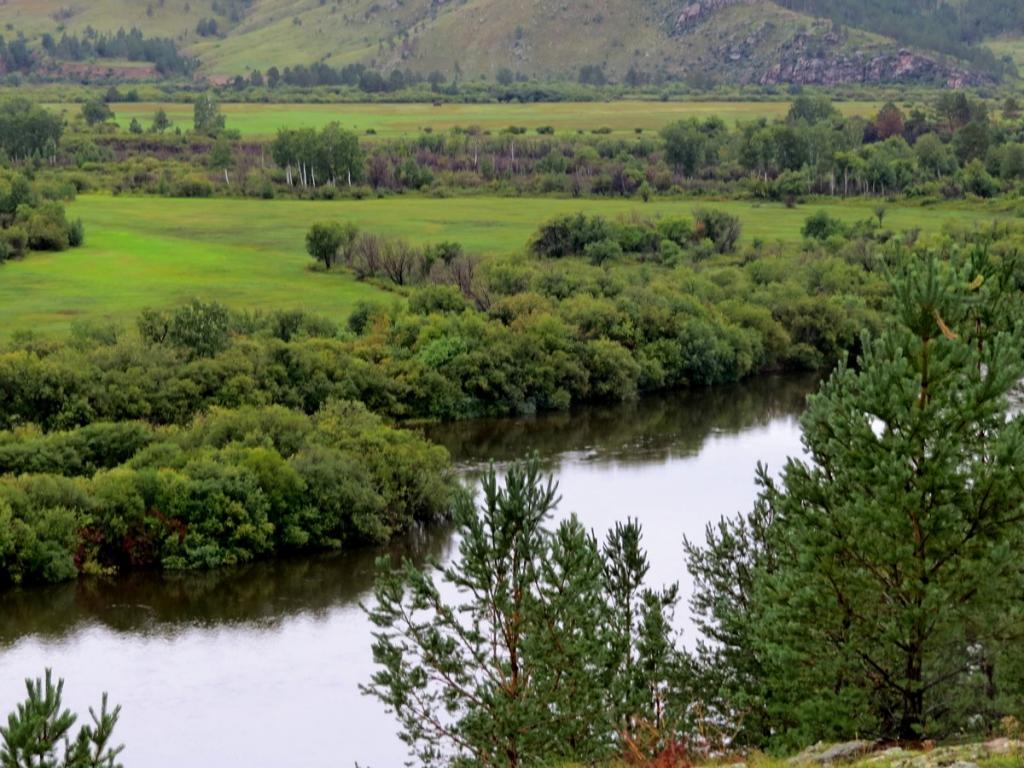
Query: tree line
column 871, row 593
column 132, row 45
column 955, row 149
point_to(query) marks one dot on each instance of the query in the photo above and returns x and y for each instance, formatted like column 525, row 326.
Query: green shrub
column 76, row 233
column 721, row 228
column 46, row 228
column 602, row 251
column 820, row 226
column 569, row 235
column 437, row 298
column 192, row 186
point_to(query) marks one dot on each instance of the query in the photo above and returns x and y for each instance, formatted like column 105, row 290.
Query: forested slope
column 738, row 41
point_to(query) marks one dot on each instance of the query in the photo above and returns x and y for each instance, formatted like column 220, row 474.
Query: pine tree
column 522, row 669
column 38, row 732
column 647, row 669
column 878, row 591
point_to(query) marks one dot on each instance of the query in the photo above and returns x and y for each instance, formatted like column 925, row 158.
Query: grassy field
column 1013, row 47
column 403, row 119
column 159, row 252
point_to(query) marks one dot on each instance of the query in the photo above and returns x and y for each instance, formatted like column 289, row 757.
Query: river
column 258, row 666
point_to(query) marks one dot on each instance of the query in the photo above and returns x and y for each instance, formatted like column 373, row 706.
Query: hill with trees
column 767, row 42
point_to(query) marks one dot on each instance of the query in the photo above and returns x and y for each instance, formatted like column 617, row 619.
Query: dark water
column 258, row 667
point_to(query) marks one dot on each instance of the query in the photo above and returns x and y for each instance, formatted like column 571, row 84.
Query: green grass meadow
column 1012, row 47
column 249, row 254
column 262, row 120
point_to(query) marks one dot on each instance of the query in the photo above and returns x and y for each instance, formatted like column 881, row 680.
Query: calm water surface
column 258, row 667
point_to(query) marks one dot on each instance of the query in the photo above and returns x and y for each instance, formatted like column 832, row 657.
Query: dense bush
column 479, row 337
column 601, row 240
column 32, row 217
column 232, row 486
column 193, row 186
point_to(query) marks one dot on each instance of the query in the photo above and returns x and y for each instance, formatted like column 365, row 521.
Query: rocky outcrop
column 781, row 51
column 796, row 65
column 698, row 11
column 867, row 754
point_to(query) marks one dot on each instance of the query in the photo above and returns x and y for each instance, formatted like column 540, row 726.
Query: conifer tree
column 876, row 588
column 530, row 665
column 38, row 732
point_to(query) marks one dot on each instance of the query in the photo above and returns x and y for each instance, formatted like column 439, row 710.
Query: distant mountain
column 824, row 42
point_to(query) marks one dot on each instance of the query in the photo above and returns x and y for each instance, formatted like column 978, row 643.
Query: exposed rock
column 866, row 753
column 817, row 54
column 999, row 746
column 816, row 68
column 698, row 11
column 954, row 756
column 830, row 754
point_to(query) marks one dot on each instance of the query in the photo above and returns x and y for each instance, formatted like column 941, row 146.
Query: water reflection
column 652, row 429
column 260, row 665
column 257, row 596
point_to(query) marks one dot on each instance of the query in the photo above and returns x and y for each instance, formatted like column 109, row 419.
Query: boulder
column 830, row 754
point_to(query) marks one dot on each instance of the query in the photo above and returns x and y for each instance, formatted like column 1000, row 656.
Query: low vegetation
column 232, row 486
column 869, row 593
column 235, row 364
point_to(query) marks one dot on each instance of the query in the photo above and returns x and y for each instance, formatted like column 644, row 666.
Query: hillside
column 737, row 41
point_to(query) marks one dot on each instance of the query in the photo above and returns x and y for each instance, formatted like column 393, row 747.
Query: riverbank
column 257, row 661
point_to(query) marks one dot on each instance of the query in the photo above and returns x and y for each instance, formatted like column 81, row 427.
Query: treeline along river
column 258, row 666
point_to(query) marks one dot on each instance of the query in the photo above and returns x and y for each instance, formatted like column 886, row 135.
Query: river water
column 258, row 666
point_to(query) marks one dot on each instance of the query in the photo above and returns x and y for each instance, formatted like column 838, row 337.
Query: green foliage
column 45, row 227
column 161, row 122
column 232, row 486
column 206, row 116
column 328, row 242
column 96, row 111
column 553, row 650
column 952, row 28
column 31, row 217
column 192, row 186
column 38, row 732
column 812, row 110
column 200, row 328
column 975, row 180
column 569, row 236
column 602, row 251
column 312, row 158
column 542, row 334
column 821, row 226
column 221, row 156
column 721, row 228
column 690, row 145
column 37, row 544
column 28, row 130
column 871, row 591
column 76, row 233
column 432, row 299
